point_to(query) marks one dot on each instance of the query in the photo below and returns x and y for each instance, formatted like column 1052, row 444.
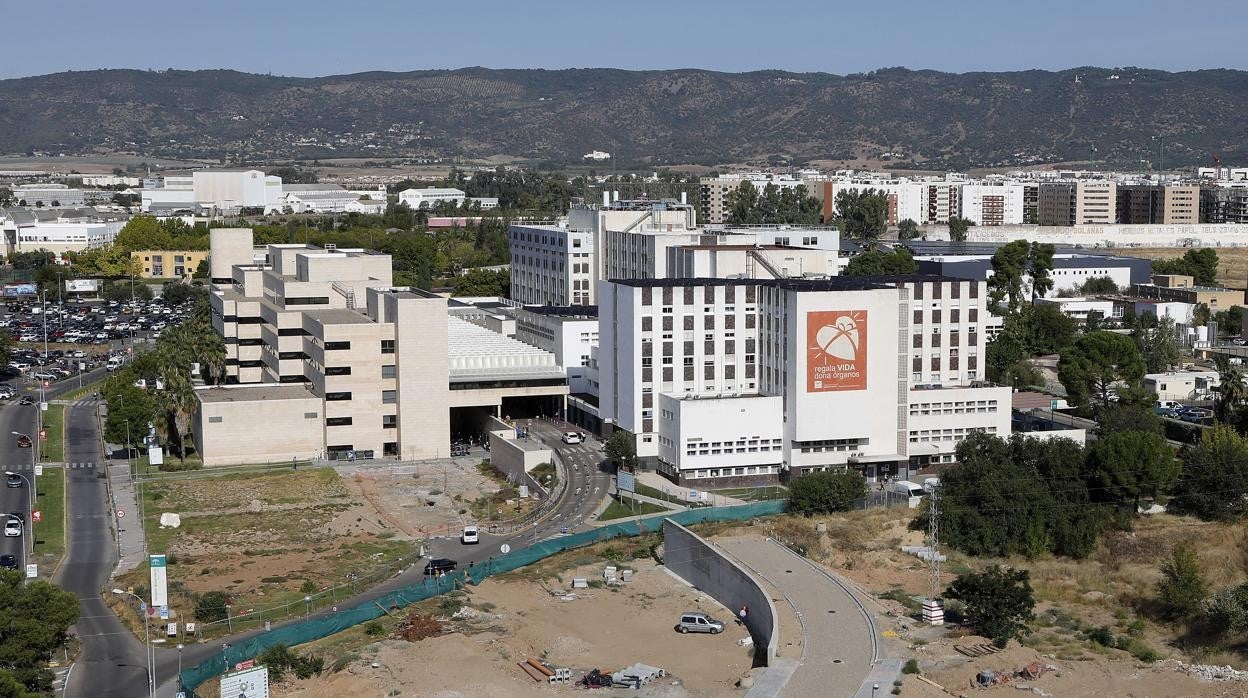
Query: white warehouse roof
column 477, row 353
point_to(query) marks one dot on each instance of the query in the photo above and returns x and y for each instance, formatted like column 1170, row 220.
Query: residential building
column 715, row 190
column 169, row 264
column 1224, row 204
column 994, row 204
column 727, row 381
column 943, row 201
column 427, row 197
column 1149, row 204
column 1055, row 203
column 1096, row 202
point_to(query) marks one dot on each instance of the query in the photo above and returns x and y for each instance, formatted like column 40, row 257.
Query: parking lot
column 80, row 335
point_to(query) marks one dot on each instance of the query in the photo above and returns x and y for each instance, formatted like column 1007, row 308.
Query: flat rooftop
column 253, row 393
column 476, row 353
column 338, row 316
column 834, row 283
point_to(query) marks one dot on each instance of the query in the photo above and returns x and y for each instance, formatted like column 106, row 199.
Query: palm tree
column 177, row 400
column 1232, row 389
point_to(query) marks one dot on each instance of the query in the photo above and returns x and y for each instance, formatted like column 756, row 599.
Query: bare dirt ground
column 514, row 618
column 418, row 501
column 269, row 538
column 1232, row 261
column 1109, row 590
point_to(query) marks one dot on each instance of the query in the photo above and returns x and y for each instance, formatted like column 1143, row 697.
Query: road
column 113, row 662
column 587, row 473
column 24, row 419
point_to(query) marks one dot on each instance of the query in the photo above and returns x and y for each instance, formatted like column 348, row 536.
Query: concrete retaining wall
column 700, row 563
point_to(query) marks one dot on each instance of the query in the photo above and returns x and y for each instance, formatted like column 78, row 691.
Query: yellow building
column 168, row 264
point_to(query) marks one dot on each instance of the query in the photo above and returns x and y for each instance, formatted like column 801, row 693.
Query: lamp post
column 308, row 600
column 180, row 664
column 147, row 635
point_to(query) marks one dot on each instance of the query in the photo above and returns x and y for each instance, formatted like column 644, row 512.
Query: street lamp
column 308, row 600
column 180, row 664
column 147, row 635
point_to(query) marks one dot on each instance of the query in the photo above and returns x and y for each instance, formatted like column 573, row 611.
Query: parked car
column 698, row 623
column 573, row 437
column 439, row 565
column 8, row 562
column 470, row 536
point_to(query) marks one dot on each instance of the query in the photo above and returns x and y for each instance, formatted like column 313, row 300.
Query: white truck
column 913, row 491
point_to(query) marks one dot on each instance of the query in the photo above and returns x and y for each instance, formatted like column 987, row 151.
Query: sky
column 319, row 37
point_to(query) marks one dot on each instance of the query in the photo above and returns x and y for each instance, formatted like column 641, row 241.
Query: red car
column 23, row 441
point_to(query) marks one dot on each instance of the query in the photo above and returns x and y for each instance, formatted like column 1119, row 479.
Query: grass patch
column 54, row 424
column 50, row 532
column 546, row 474
column 620, row 510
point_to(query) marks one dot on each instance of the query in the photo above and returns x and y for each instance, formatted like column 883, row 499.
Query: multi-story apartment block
column 736, row 380
column 1096, row 202
column 1226, row 203
column 1151, row 204
column 993, row 204
column 168, row 264
column 1055, row 203
column 714, row 190
column 943, row 201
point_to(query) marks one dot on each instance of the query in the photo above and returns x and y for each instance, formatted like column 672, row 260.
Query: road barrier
column 300, row 632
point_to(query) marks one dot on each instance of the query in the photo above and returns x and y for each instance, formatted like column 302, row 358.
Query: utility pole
column 933, row 606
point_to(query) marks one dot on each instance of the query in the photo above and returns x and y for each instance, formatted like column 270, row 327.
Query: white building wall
column 551, row 265
column 1011, row 194
column 720, row 437
column 938, row 420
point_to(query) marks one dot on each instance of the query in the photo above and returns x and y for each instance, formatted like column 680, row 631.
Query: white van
column 115, row 363
column 912, row 490
column 471, row 536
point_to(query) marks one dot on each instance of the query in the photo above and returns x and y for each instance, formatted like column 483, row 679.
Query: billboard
column 250, row 683
column 836, row 352
column 626, row 481
column 160, row 589
column 17, row 290
column 82, row 285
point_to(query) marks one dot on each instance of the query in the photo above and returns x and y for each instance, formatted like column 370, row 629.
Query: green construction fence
column 300, row 632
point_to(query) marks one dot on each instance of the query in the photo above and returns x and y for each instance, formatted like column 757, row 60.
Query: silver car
column 698, row 623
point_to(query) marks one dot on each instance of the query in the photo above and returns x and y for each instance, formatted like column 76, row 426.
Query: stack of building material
column 552, row 673
column 637, row 675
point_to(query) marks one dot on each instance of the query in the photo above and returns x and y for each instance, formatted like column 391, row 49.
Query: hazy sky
column 317, row 37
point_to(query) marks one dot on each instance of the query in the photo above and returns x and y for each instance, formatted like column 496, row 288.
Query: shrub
column 211, row 606
column 373, row 628
column 1182, row 588
column 826, row 492
column 911, row 667
column 1102, row 636
column 999, row 601
column 307, row 587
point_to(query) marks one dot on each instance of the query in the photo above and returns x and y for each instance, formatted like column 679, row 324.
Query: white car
column 573, row 437
column 471, row 536
column 12, row 528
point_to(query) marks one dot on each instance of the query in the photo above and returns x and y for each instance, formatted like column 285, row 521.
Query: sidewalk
column 131, row 542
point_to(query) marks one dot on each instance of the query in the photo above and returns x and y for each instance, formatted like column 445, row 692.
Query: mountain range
column 925, row 119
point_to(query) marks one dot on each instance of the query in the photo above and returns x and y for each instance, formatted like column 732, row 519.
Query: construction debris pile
column 1031, row 672
column 1207, row 672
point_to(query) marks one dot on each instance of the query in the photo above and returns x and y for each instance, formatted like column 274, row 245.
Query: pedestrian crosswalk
column 27, row 467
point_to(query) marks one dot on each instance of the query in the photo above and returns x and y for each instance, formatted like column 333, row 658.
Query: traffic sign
column 36, row 516
column 505, row 548
column 38, row 471
column 245, row 665
column 43, row 434
column 121, row 513
column 32, row 571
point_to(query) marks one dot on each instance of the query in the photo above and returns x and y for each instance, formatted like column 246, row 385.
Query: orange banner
column 836, row 353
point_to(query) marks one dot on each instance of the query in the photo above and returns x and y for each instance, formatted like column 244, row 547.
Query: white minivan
column 913, row 491
column 470, row 536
